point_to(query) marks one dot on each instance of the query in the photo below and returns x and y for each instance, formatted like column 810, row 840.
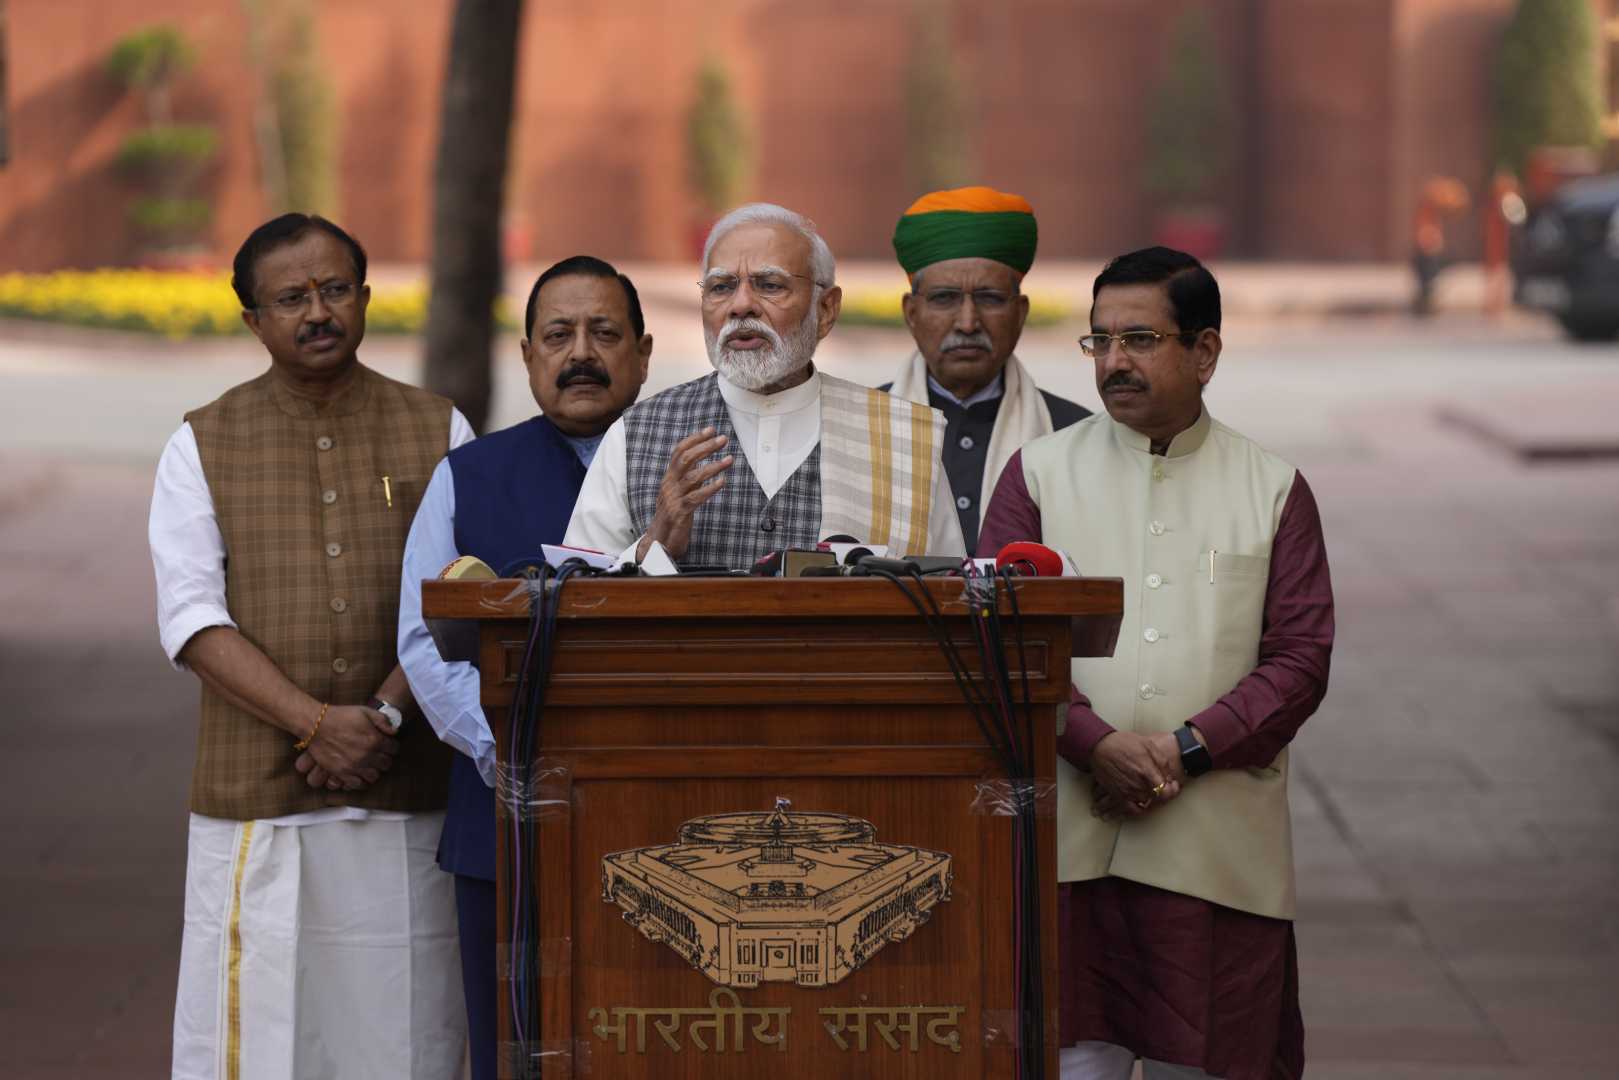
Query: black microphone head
column 853, row 556
column 899, row 567
column 825, row 570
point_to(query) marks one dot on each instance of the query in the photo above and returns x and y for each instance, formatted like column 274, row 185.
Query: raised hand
column 687, row 484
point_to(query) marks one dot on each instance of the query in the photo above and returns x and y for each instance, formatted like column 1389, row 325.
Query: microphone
column 467, row 568
column 938, row 564
column 1029, row 559
column 869, row 564
column 866, row 566
column 826, row 570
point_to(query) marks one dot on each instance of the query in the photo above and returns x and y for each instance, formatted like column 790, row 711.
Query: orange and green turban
column 967, row 223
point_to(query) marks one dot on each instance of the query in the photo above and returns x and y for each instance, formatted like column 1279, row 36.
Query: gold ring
column 1159, row 790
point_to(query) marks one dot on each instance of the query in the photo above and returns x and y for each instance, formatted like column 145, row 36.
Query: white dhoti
column 318, row 950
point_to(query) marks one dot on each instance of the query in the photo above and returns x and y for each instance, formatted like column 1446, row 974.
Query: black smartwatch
column 1195, row 757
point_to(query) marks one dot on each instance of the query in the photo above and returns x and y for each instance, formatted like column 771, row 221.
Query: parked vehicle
column 1565, row 258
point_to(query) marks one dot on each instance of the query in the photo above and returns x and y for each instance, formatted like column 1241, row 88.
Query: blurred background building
column 1286, row 129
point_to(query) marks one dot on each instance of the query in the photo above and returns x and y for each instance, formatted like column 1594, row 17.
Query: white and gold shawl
column 879, row 454
column 1023, row 415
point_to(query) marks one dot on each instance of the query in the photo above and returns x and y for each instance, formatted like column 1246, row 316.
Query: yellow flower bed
column 880, row 307
column 180, row 304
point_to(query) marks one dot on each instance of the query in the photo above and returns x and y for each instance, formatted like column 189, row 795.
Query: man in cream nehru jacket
column 1174, row 841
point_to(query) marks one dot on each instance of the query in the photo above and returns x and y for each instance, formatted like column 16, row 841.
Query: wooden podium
column 771, row 840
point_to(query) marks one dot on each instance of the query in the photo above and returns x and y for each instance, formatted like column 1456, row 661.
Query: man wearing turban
column 966, row 252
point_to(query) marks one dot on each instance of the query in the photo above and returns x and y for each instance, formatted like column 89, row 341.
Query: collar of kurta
column 1187, row 442
column 778, row 404
column 989, row 393
column 350, row 400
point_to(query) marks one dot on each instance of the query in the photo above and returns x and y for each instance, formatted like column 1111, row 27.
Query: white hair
column 823, row 268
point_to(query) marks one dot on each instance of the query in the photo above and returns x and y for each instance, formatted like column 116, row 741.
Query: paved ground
column 1454, row 799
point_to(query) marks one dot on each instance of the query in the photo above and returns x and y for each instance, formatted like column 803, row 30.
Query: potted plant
column 165, row 162
column 719, row 152
column 1189, row 132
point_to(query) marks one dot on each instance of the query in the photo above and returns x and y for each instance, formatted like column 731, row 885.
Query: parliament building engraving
column 776, row 896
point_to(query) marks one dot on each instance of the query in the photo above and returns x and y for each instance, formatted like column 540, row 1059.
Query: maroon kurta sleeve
column 1014, row 515
column 1251, row 724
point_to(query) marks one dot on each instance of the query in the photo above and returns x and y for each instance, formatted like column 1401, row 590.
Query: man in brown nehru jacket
column 319, row 938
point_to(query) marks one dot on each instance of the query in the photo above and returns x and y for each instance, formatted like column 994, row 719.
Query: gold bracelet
column 312, row 731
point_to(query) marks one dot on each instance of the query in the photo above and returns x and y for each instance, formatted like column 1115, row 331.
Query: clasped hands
column 351, row 750
column 1132, row 774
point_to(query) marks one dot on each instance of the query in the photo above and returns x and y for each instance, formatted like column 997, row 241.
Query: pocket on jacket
column 1237, row 585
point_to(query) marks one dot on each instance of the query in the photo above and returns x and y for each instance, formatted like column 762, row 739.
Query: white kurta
column 775, row 432
column 319, row 944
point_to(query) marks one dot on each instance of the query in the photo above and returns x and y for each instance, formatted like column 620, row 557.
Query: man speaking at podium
column 1173, row 833
column 767, row 453
column 499, row 498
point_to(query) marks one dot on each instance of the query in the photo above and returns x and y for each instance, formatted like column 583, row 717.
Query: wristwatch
column 1195, row 757
column 395, row 717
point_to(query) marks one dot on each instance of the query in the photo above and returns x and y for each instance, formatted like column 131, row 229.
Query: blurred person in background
column 1442, row 197
column 1174, row 837
column 1503, row 211
column 498, row 499
column 966, row 252
column 319, row 941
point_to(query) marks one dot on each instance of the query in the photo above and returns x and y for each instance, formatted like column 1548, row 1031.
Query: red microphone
column 1029, row 559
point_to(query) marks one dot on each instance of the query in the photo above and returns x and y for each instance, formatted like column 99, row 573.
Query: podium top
column 762, row 598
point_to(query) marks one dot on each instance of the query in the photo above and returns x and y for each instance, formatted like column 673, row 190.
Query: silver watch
column 396, row 719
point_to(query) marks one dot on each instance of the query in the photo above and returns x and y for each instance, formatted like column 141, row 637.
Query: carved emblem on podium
column 776, row 896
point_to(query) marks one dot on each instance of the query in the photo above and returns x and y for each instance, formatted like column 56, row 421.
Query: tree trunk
column 468, row 193
column 4, row 144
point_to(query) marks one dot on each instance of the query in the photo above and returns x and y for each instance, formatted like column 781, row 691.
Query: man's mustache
column 587, row 372
column 955, row 339
column 1123, row 380
column 328, row 328
column 736, row 327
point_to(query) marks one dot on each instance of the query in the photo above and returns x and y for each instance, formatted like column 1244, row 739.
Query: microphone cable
column 524, row 803
column 995, row 708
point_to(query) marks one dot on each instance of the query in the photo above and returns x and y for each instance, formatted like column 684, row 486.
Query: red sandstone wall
column 1345, row 104
column 1327, row 72
column 60, row 203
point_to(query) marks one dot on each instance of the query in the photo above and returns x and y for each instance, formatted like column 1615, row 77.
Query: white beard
column 754, row 369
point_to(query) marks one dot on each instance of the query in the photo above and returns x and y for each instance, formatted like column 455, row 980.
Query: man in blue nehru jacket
column 499, row 498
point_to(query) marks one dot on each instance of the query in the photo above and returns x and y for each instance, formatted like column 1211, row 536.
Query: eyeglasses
column 293, row 303
column 948, row 300
column 771, row 286
column 1137, row 344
